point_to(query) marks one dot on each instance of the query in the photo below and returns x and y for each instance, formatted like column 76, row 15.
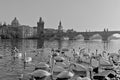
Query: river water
column 23, row 46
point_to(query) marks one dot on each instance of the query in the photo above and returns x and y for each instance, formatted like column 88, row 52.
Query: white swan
column 85, row 78
column 19, row 55
column 28, row 59
column 42, row 65
column 40, row 74
column 67, row 74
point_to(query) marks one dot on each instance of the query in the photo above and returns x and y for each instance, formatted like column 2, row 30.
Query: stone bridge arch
column 90, row 35
column 87, row 35
column 79, row 36
column 96, row 36
column 114, row 36
column 106, row 35
column 84, row 35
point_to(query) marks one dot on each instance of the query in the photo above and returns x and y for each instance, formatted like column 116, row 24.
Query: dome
column 15, row 22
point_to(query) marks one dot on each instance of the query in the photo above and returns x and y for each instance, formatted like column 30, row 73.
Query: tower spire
column 40, row 20
column 60, row 25
column 40, row 28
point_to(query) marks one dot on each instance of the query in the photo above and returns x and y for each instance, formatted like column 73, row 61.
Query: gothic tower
column 40, row 28
column 60, row 31
column 60, row 28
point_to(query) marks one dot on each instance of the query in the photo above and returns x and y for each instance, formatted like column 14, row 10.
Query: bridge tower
column 40, row 28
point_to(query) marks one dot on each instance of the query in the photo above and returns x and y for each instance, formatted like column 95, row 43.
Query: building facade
column 16, row 30
column 40, row 28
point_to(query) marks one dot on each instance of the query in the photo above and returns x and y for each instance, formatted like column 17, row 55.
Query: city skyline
column 78, row 14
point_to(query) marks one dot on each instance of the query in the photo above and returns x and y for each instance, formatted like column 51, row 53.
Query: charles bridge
column 105, row 34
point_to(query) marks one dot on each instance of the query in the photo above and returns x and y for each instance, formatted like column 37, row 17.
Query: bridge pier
column 104, row 38
column 86, row 38
column 87, row 35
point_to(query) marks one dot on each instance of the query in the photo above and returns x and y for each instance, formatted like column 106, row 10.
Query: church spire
column 15, row 18
column 60, row 26
column 40, row 28
column 60, row 23
column 40, row 20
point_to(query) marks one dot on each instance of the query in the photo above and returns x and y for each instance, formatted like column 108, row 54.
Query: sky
column 80, row 15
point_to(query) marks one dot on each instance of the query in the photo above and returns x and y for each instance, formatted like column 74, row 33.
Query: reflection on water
column 40, row 43
column 59, row 44
column 6, row 46
column 105, row 46
column 25, row 45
